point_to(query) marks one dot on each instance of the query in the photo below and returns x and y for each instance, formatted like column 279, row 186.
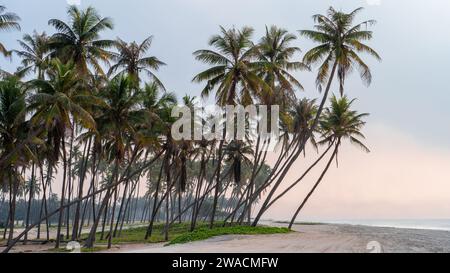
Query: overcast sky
column 408, row 131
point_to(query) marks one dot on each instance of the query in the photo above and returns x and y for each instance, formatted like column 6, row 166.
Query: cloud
column 74, row 2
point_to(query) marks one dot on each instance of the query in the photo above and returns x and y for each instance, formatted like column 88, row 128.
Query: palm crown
column 79, row 39
column 340, row 42
column 8, row 21
column 232, row 67
column 131, row 60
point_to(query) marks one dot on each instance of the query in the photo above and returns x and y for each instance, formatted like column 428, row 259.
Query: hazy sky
column 406, row 175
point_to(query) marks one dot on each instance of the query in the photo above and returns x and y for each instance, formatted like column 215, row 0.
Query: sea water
column 433, row 224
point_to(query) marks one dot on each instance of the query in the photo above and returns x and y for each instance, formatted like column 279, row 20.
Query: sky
column 405, row 175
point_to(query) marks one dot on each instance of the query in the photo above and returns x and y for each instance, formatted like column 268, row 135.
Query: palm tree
column 34, row 54
column 57, row 101
column 338, row 123
column 116, row 124
column 232, row 75
column 131, row 59
column 12, row 130
column 8, row 21
column 340, row 41
column 232, row 67
column 79, row 40
column 274, row 60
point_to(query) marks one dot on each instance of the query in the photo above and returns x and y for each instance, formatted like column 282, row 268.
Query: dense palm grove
column 85, row 121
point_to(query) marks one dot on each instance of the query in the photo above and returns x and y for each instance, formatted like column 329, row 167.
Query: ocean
column 433, row 224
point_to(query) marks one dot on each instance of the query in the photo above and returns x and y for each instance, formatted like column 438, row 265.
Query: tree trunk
column 30, row 198
column 315, row 185
column 61, row 212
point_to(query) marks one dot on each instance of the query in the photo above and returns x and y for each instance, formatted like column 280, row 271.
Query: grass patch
column 137, row 235
column 205, row 233
column 93, row 249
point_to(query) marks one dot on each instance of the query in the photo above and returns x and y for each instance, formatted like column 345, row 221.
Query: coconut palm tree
column 232, row 76
column 12, row 130
column 131, row 59
column 116, row 124
column 34, row 54
column 56, row 102
column 338, row 123
column 8, row 21
column 276, row 65
column 79, row 39
column 340, row 42
column 232, row 73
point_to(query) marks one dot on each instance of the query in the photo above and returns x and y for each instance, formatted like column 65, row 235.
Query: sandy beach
column 305, row 238
column 317, row 238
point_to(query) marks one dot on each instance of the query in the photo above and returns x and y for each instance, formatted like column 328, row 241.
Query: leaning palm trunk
column 155, row 200
column 217, row 188
column 315, row 185
column 299, row 179
column 125, row 191
column 197, row 193
column 303, row 141
column 91, row 237
column 80, row 190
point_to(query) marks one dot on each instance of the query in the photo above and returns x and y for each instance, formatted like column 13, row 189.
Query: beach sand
column 317, row 238
column 306, row 238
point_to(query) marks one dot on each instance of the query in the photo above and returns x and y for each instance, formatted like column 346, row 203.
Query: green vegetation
column 205, row 233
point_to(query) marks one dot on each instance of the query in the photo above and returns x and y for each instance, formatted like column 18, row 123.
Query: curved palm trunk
column 315, row 185
column 303, row 143
column 300, row 179
column 217, row 188
column 155, row 201
column 91, row 237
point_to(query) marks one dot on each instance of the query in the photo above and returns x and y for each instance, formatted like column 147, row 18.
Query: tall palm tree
column 116, row 124
column 340, row 42
column 8, row 21
column 57, row 101
column 276, row 65
column 232, row 76
column 34, row 54
column 12, row 130
column 79, row 39
column 131, row 59
column 232, row 73
column 338, row 123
